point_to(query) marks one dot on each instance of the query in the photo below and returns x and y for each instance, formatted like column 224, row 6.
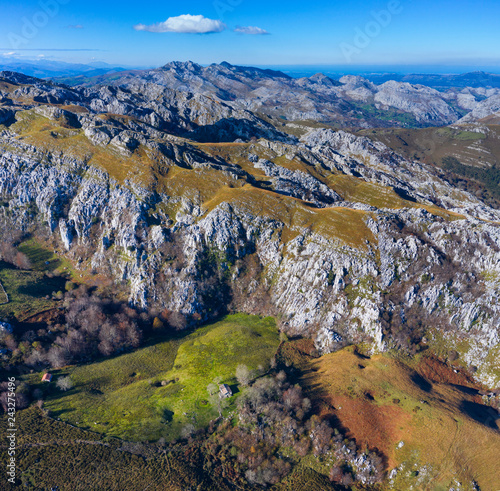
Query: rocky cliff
column 341, row 238
column 352, row 101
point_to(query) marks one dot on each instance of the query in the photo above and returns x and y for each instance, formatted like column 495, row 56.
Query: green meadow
column 158, row 390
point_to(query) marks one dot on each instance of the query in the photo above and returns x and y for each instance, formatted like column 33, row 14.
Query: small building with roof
column 47, row 377
column 225, row 391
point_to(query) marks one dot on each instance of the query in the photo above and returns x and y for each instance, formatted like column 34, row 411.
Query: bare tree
column 37, row 358
column 57, row 357
column 243, row 375
column 177, row 320
column 187, row 430
column 64, row 383
column 11, row 255
column 22, row 261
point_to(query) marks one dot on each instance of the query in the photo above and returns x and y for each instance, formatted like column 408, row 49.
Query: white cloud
column 10, row 53
column 191, row 24
column 253, row 30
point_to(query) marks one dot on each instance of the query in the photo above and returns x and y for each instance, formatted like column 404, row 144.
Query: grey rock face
column 317, row 97
column 335, row 270
column 298, row 184
column 483, row 109
column 426, row 104
column 218, row 102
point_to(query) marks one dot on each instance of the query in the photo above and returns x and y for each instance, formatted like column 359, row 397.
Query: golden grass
column 381, row 401
column 74, row 109
column 48, row 135
column 441, row 212
column 7, row 87
column 198, row 184
column 354, row 189
column 214, row 146
column 344, row 224
column 296, row 164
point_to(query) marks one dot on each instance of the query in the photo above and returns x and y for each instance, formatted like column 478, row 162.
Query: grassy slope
column 53, row 455
column 382, row 402
column 431, row 145
column 27, row 289
column 124, row 395
column 49, row 134
column 343, row 224
column 43, row 259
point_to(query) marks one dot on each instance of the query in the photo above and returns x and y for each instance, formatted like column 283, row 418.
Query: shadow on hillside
column 466, row 390
column 57, row 414
column 320, row 399
column 227, row 130
column 482, row 414
column 234, row 389
column 322, row 405
column 420, row 381
column 402, row 193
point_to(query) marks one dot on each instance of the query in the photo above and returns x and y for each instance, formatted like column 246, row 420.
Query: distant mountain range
column 440, row 82
column 206, row 96
column 352, row 101
column 44, row 68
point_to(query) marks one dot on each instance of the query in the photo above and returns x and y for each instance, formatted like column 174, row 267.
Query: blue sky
column 441, row 32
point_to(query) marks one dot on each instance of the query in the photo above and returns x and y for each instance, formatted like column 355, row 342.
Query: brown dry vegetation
column 431, row 145
column 435, row 370
column 381, row 401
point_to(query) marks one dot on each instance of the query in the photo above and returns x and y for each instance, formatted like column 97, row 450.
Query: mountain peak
column 182, row 65
column 19, row 78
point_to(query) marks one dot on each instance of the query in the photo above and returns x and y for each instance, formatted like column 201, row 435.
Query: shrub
column 177, row 320
column 243, row 375
column 158, row 324
column 69, row 286
column 64, row 383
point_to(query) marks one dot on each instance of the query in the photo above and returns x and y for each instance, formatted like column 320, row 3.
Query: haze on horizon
column 443, row 33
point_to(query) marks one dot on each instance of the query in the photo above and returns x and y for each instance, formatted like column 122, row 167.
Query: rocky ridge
column 353, row 101
column 352, row 242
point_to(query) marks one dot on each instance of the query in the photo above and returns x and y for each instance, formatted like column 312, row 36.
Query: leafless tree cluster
column 94, row 326
column 22, row 396
column 10, row 254
column 274, row 420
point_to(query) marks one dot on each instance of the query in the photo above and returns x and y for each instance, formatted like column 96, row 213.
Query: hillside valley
column 339, row 239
